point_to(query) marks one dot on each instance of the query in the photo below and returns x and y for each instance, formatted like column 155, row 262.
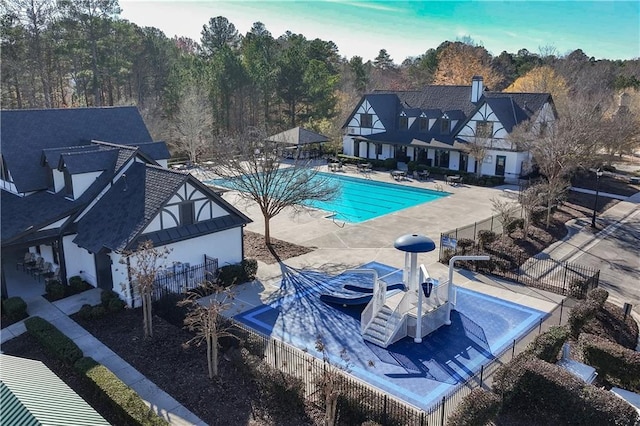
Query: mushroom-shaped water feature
column 412, row 244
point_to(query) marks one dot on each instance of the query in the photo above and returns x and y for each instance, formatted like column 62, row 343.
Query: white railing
column 439, row 295
column 397, row 323
column 377, row 301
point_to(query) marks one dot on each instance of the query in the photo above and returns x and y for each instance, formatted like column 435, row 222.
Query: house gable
column 365, row 120
column 187, row 206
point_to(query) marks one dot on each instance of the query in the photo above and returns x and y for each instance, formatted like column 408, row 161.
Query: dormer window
column 403, row 123
column 366, row 120
column 484, row 129
column 445, row 125
column 68, row 184
column 423, row 124
column 187, row 214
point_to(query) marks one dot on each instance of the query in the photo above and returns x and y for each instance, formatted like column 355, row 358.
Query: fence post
column 513, row 349
column 444, row 400
column 561, row 307
column 422, row 418
column 384, row 411
column 491, row 223
column 564, row 281
column 474, row 229
column 481, row 375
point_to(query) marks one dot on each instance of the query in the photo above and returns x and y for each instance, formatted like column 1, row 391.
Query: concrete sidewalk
column 581, row 236
column 57, row 313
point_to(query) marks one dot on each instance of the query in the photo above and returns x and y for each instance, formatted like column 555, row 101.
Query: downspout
column 63, row 262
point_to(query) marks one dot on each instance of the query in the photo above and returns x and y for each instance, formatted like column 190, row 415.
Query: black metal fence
column 183, row 277
column 359, row 401
column 564, row 278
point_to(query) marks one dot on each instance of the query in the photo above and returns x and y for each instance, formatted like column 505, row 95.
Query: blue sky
column 603, row 29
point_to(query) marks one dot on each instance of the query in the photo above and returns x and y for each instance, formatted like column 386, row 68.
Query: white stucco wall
column 58, row 180
column 82, row 181
column 47, row 253
column 55, row 225
column 78, row 261
column 454, row 160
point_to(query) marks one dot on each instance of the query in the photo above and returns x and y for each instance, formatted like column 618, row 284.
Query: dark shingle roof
column 514, row 108
column 52, row 155
column 92, row 161
column 123, row 212
column 298, row 136
column 26, row 133
column 155, row 150
column 21, row 215
column 436, row 101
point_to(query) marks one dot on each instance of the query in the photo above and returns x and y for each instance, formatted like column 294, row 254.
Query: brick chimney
column 476, row 88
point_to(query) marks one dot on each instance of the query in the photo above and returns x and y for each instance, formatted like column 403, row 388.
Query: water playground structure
column 414, row 308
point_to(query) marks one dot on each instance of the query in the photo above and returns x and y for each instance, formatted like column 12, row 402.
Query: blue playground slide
column 354, row 295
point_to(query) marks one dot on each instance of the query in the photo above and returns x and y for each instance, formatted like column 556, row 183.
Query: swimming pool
column 363, row 199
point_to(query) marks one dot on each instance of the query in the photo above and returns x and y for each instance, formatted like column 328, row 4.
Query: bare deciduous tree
column 143, row 265
column 505, row 209
column 562, row 146
column 330, row 382
column 530, row 201
column 205, row 320
column 477, row 149
column 193, row 123
column 252, row 165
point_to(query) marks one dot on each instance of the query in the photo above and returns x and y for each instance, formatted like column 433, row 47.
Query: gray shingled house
column 81, row 187
column 435, row 126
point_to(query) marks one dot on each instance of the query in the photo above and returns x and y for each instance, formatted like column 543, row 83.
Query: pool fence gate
column 360, row 401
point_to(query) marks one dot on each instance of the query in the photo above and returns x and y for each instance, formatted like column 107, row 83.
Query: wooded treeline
column 67, row 53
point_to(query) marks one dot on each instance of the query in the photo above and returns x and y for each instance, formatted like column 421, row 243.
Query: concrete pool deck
column 339, row 246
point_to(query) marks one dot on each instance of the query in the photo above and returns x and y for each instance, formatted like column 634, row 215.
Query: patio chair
column 36, row 266
column 55, row 276
column 29, row 259
column 47, row 268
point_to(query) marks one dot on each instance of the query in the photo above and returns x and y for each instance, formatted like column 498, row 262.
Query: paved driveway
column 617, row 256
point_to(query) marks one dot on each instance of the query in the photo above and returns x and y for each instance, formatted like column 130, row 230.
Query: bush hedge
column 14, row 308
column 478, row 408
column 238, row 273
column 557, row 395
column 598, row 295
column 53, row 340
column 586, row 310
column 614, row 362
column 486, row 237
column 125, row 401
column 581, row 314
column 55, row 290
column 547, row 346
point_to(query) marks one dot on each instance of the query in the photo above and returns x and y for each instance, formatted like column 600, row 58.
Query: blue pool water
column 362, row 199
column 420, row 374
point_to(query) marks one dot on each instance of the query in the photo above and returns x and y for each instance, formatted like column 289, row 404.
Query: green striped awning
column 31, row 394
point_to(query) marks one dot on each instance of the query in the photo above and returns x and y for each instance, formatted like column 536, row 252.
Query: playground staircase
column 387, row 326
